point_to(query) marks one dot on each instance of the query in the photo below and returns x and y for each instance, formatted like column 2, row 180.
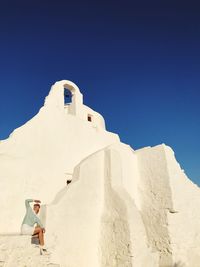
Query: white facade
column 122, row 208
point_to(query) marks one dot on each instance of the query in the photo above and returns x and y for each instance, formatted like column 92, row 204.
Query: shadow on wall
column 179, row 264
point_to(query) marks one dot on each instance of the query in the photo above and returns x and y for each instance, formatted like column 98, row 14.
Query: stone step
column 17, row 251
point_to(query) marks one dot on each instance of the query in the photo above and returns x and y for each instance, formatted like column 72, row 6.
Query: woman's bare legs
column 39, row 231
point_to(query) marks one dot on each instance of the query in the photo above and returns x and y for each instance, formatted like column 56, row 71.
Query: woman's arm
column 39, row 222
column 27, row 202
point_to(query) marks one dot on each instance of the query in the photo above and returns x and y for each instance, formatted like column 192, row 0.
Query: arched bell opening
column 67, row 96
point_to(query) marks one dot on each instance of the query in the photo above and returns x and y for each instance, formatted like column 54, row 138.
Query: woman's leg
column 39, row 231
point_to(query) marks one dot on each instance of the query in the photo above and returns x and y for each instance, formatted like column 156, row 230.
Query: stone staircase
column 17, row 251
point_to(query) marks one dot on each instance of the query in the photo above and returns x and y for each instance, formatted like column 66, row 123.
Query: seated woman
column 30, row 220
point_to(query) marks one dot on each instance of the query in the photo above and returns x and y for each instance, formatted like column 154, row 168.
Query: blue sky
column 136, row 62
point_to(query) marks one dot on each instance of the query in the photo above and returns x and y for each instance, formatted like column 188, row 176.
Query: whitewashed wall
column 38, row 158
column 124, row 208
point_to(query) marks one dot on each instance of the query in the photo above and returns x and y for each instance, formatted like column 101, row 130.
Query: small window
column 89, row 117
column 68, row 182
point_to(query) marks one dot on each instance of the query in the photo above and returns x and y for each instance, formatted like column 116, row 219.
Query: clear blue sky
column 136, row 62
